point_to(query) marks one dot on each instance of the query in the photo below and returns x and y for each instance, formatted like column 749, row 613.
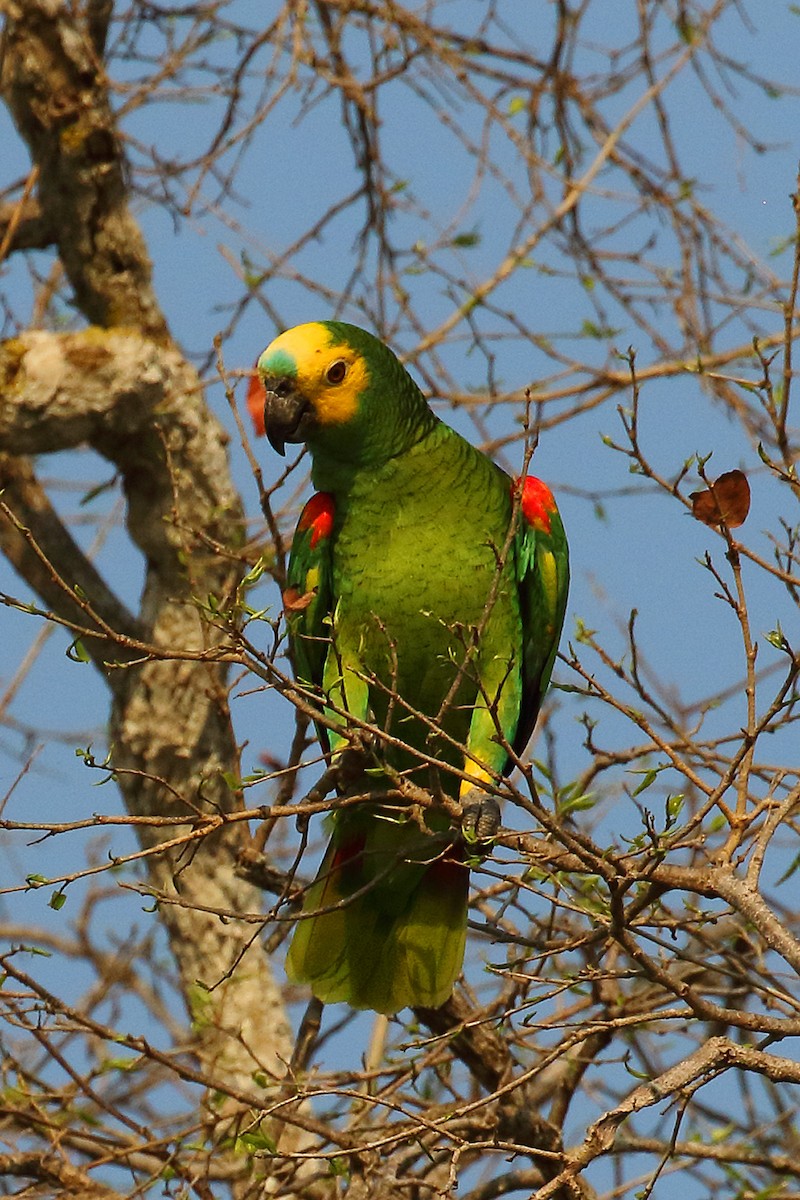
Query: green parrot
column 425, row 598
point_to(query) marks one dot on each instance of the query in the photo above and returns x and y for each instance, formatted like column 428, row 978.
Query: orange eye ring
column 336, row 371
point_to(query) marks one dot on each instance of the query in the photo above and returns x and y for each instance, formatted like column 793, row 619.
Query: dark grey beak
column 284, row 413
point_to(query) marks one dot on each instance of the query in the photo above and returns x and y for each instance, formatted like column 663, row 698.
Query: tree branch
column 138, row 403
column 55, row 88
column 59, row 572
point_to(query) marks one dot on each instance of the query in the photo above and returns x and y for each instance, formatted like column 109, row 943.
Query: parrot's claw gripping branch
column 480, row 822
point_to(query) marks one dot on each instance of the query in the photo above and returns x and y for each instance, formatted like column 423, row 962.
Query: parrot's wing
column 542, row 563
column 308, row 599
column 513, row 684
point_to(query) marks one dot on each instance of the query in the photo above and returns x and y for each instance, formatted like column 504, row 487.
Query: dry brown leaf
column 295, row 601
column 726, row 501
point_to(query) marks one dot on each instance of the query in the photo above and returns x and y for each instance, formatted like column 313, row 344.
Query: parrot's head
column 340, row 390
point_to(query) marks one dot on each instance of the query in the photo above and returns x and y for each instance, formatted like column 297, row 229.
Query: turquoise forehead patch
column 279, row 362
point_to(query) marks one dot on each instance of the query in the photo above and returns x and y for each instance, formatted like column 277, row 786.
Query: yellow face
column 330, row 374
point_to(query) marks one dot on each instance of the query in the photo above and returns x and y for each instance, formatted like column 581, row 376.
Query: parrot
column 425, row 596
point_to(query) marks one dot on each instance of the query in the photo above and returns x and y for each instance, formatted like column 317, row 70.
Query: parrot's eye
column 336, row 371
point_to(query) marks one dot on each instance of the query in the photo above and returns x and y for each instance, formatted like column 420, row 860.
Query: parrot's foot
column 351, row 761
column 480, row 819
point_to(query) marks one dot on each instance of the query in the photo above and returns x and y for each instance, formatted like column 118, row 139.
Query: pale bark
column 123, row 388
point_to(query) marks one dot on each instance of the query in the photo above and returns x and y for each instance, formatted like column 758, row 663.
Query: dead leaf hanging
column 726, row 501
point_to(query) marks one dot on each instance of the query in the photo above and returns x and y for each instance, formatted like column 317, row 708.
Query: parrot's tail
column 387, row 939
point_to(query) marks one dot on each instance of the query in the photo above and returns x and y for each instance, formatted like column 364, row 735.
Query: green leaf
column 593, row 330
column 255, row 1140
column 77, row 652
column 543, row 769
column 94, row 492
column 790, row 870
column 254, row 575
column 570, row 799
column 776, row 638
column 119, row 1064
column 580, row 803
column 255, row 776
column 675, row 805
column 58, row 900
column 632, row 1071
column 650, row 777
column 516, row 104
column 201, row 1006
column 36, row 950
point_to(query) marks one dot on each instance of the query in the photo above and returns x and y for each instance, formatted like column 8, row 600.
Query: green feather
column 394, row 930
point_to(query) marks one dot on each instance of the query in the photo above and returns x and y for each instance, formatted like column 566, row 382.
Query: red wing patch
column 349, row 853
column 318, row 516
column 537, row 502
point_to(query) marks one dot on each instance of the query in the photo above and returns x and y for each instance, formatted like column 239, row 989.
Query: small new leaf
column 568, row 802
column 675, row 806
column 790, row 870
column 776, row 638
column 77, row 652
column 466, row 240
column 254, row 1141
column 650, row 776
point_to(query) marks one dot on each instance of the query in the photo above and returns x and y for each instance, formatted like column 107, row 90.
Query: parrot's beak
column 286, row 413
